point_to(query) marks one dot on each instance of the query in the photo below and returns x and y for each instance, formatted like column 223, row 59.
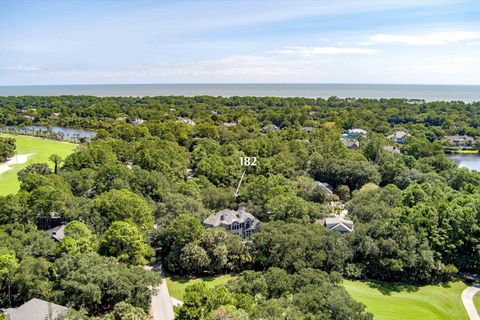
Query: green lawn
column 41, row 149
column 403, row 302
column 476, row 301
column 177, row 285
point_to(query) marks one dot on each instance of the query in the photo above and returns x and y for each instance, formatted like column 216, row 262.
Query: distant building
column 35, row 309
column 55, row 115
column 229, row 124
column 308, row 129
column 399, row 136
column 328, row 189
column 357, row 133
column 187, row 121
column 339, row 225
column 57, row 233
column 352, row 144
column 353, row 135
column 121, row 118
column 393, row 149
column 461, row 141
column 238, row 222
column 415, row 101
column 269, row 128
column 138, row 122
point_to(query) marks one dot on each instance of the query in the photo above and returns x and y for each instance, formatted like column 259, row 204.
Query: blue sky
column 90, row 42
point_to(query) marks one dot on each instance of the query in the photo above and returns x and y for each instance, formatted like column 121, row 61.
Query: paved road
column 162, row 308
column 467, row 299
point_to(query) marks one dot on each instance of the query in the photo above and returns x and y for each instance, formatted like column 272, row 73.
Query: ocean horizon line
column 242, row 83
column 427, row 92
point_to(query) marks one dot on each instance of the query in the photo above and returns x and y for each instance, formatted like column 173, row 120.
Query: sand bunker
column 17, row 159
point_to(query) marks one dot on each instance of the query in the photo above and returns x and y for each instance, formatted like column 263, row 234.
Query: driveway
column 467, row 299
column 161, row 308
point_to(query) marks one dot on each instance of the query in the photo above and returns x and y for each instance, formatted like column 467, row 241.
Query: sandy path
column 17, row 159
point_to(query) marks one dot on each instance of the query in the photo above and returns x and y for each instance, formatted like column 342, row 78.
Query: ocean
column 464, row 93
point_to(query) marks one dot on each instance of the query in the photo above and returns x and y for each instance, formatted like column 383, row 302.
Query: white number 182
column 248, row 161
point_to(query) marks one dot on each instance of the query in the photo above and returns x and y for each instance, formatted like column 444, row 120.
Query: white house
column 399, row 136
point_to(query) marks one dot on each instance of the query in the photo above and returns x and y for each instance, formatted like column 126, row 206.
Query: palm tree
column 56, row 159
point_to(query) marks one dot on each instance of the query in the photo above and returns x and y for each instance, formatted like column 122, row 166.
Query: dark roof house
column 238, row 222
column 35, row 309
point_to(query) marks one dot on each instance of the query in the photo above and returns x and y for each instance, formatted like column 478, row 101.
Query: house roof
column 459, row 138
column 57, row 233
column 357, row 131
column 351, row 143
column 270, row 127
column 227, row 217
column 392, row 149
column 325, row 187
column 398, row 135
column 36, row 309
column 338, row 224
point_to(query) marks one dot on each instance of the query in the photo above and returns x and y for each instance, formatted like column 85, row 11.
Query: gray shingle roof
column 338, row 224
column 36, row 309
column 398, row 135
column 57, row 233
column 227, row 217
column 460, row 138
column 325, row 187
column 351, row 144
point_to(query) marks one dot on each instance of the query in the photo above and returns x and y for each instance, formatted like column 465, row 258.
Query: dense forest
column 159, row 166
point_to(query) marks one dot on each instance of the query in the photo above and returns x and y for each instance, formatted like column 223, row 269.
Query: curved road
column 467, row 299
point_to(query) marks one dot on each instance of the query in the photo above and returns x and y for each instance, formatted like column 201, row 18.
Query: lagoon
column 470, row 161
column 61, row 132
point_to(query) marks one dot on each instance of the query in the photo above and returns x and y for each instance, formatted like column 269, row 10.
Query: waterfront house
column 399, row 136
column 238, row 222
column 459, row 141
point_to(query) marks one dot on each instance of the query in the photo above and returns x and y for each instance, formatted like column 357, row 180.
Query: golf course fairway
column 391, row 302
column 30, row 150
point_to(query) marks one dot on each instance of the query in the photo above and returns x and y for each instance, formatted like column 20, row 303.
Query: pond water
column 68, row 133
column 470, row 161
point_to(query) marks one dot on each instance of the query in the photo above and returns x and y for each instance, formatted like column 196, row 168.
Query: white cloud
column 436, row 38
column 313, row 51
column 21, row 68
